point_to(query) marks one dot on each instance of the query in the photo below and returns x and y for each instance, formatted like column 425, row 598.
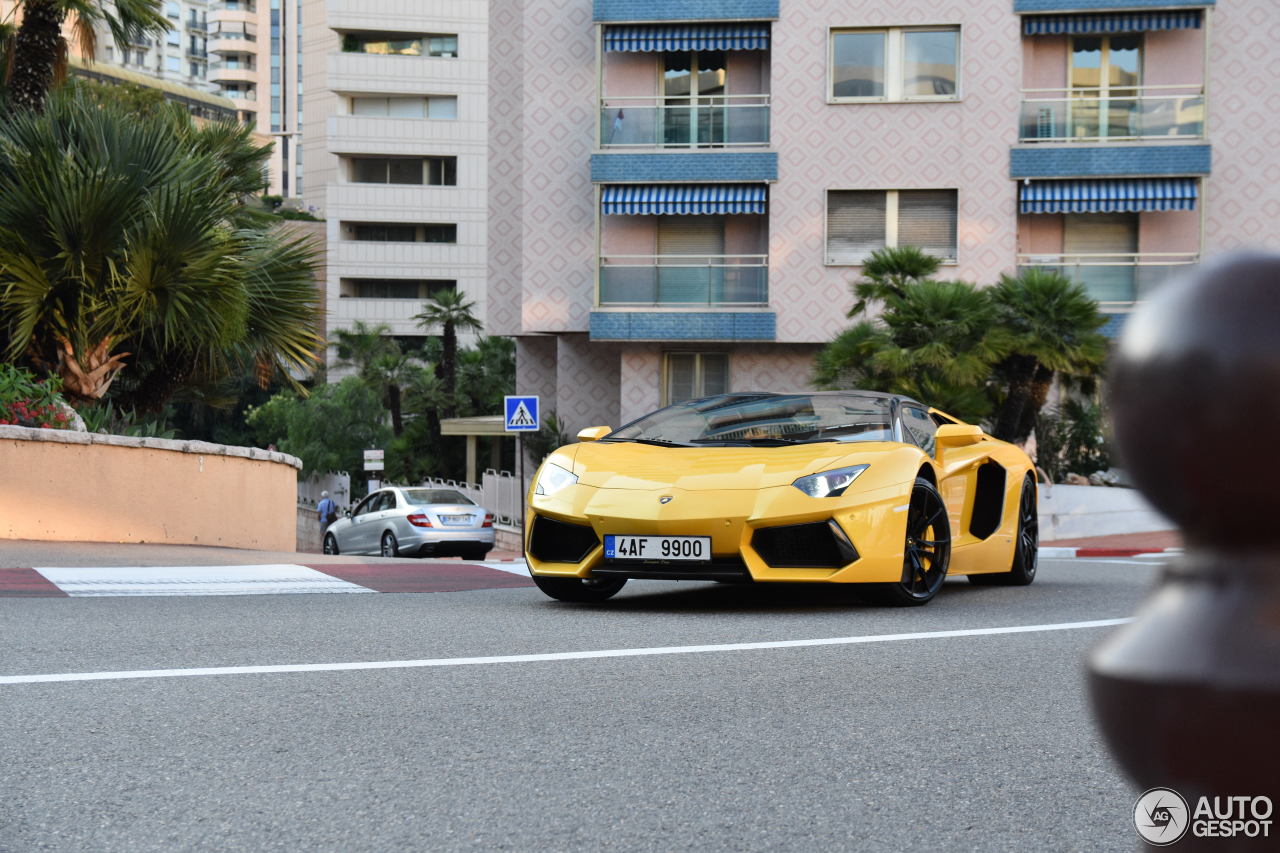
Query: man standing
column 328, row 511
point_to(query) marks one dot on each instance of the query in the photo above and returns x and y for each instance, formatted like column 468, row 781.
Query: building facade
column 395, row 130
column 256, row 52
column 682, row 191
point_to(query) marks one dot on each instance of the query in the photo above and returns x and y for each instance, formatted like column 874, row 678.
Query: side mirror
column 347, row 512
column 594, row 433
column 958, row 435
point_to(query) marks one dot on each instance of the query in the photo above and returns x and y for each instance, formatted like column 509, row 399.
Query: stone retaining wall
column 67, row 486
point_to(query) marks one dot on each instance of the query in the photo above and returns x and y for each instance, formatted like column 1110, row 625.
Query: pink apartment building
column 681, row 191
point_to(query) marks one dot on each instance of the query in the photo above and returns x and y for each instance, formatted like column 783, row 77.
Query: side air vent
column 817, row 545
column 988, row 501
column 557, row 542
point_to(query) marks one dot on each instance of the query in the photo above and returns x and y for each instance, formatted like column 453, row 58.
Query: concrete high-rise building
column 257, row 63
column 681, row 191
column 396, row 143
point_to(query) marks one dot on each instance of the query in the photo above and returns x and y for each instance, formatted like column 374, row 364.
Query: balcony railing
column 1116, row 281
column 1117, row 115
column 712, row 121
column 684, row 280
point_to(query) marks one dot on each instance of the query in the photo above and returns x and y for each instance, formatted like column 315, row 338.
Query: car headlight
column 829, row 484
column 552, row 478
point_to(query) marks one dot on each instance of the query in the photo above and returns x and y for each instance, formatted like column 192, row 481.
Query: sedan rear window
column 436, row 496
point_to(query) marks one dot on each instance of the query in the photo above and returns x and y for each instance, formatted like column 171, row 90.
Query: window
column 920, row 428
column 403, row 45
column 172, row 63
column 690, row 375
column 895, row 64
column 386, row 233
column 435, row 107
column 860, row 222
column 174, row 38
column 440, row 233
column 393, row 288
column 436, row 171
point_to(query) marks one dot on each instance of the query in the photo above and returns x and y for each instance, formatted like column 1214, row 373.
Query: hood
column 629, row 465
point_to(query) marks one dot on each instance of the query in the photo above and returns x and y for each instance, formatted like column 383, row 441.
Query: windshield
column 436, row 496
column 765, row 419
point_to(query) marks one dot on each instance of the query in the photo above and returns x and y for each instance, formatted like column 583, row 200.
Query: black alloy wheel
column 1026, row 551
column 390, row 547
column 330, row 544
column 926, row 553
column 579, row 589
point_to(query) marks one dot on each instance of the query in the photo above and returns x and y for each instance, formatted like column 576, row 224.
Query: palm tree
column 39, row 52
column 888, row 272
column 125, row 241
column 451, row 312
column 935, row 341
column 380, row 363
column 1052, row 325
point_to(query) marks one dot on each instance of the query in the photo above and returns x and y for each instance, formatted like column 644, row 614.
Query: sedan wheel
column 390, row 547
column 1026, row 552
column 330, row 544
column 926, row 553
column 579, row 589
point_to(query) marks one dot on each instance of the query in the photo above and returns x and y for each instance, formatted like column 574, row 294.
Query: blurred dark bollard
column 1189, row 695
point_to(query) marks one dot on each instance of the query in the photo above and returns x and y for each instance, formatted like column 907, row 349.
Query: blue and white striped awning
column 1108, row 196
column 682, row 199
column 1113, row 22
column 649, row 39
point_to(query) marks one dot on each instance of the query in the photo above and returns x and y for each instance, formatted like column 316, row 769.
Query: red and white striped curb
column 1055, row 553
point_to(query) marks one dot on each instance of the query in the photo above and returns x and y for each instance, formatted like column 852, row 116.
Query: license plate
column 455, row 519
column 660, row 548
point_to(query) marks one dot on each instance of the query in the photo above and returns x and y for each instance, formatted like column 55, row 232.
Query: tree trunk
column 449, row 368
column 1021, row 372
column 393, row 398
column 1041, row 382
column 37, row 48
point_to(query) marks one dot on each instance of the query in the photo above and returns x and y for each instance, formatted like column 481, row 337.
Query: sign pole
column 521, row 414
column 520, row 453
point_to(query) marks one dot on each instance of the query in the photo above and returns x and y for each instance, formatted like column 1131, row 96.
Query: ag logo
column 1161, row 816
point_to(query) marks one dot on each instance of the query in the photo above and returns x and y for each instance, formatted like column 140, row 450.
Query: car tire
column 331, row 544
column 390, row 547
column 1026, row 551
column 926, row 552
column 579, row 589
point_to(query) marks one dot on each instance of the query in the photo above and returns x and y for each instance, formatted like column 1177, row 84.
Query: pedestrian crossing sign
column 521, row 414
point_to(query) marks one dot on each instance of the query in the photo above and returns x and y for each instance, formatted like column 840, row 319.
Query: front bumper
column 873, row 524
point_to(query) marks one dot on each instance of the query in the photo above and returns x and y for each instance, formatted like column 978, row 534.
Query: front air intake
column 558, row 542
column 817, row 545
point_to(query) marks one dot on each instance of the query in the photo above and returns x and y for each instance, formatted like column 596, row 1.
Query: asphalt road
column 962, row 743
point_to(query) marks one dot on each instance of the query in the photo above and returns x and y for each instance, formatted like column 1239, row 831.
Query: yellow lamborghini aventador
column 835, row 487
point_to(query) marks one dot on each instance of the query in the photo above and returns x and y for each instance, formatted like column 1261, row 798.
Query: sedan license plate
column 657, row 548
column 455, row 519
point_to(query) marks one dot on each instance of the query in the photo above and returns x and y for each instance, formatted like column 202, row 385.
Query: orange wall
column 78, row 487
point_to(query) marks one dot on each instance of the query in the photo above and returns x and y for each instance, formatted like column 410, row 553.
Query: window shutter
column 406, row 107
column 927, row 220
column 855, row 224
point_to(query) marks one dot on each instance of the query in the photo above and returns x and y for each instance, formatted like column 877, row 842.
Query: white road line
column 194, row 580
column 552, row 656
column 515, row 567
column 1118, row 560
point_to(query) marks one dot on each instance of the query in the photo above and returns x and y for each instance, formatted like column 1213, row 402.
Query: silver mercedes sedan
column 399, row 521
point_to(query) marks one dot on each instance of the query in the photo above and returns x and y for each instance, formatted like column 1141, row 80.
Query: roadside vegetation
column 988, row 355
